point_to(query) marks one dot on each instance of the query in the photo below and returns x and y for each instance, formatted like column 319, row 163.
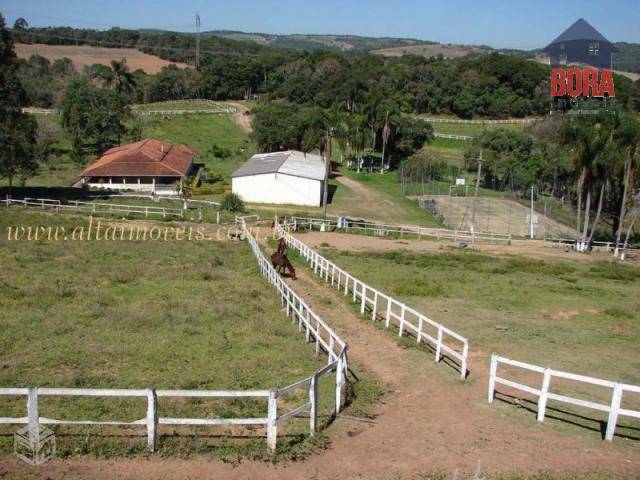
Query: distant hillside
column 433, row 50
column 343, row 43
column 629, row 57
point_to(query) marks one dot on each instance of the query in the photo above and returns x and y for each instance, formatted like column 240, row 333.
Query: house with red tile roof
column 148, row 165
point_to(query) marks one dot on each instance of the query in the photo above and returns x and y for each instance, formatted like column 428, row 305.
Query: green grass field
column 201, row 132
column 564, row 314
column 167, row 315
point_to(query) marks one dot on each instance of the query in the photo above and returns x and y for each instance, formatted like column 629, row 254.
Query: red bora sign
column 582, row 82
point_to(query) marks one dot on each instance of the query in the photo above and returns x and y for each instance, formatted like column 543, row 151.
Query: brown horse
column 282, row 246
column 281, row 263
column 278, row 220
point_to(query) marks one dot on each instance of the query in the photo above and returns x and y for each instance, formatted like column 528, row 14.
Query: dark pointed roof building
column 581, row 44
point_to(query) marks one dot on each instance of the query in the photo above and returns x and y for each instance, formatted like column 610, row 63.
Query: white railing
column 444, row 341
column 452, row 136
column 369, row 227
column 482, row 122
column 544, row 394
column 92, row 207
column 315, row 329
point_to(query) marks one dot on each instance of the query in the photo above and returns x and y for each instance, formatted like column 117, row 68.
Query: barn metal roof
column 292, row 162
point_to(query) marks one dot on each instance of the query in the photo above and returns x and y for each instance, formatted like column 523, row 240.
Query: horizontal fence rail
column 368, row 227
column 481, row 122
column 544, row 394
column 452, row 136
column 92, row 207
column 408, row 320
column 315, row 329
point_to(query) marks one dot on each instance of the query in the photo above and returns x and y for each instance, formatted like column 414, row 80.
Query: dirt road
column 242, row 117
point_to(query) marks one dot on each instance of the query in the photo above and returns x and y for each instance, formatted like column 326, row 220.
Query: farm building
column 148, row 166
column 291, row 177
column 581, row 44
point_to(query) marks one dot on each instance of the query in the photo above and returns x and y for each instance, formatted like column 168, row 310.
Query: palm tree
column 386, row 133
column 629, row 140
column 122, row 80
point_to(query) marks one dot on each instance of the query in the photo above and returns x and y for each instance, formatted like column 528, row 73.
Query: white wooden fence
column 544, row 394
column 451, row 136
column 442, row 339
column 481, row 122
column 369, row 227
column 315, row 329
column 93, row 207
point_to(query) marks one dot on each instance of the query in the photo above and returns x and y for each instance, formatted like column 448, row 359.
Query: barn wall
column 279, row 189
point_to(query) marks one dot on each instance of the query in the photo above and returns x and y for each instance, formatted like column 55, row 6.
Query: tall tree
column 18, row 130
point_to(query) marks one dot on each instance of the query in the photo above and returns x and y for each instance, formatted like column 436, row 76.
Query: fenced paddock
column 183, row 407
column 367, row 227
column 93, row 207
column 544, row 394
column 445, row 342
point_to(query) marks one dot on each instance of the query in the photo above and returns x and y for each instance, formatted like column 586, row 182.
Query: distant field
column 82, row 55
column 433, row 50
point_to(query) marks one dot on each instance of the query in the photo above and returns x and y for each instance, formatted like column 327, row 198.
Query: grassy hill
column 343, row 43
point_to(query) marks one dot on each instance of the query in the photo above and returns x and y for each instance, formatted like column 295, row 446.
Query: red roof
column 147, row 158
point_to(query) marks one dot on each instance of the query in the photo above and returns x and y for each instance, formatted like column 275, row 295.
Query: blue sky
column 498, row 23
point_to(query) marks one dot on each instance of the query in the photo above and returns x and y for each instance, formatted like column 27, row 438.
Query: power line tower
column 475, row 197
column 197, row 41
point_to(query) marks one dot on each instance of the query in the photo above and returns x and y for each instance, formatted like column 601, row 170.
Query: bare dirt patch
column 82, row 55
column 242, row 117
column 527, row 248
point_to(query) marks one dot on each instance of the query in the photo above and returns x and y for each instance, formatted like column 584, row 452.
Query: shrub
column 220, row 152
column 232, row 203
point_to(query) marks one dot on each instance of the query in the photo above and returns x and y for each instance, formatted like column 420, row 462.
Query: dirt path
column 242, row 117
column 428, row 420
column 527, row 248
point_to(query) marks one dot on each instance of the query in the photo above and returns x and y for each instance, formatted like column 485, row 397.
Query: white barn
column 291, row 177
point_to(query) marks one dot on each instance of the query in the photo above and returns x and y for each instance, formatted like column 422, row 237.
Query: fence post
column 32, row 415
column 272, row 415
column 313, row 400
column 463, row 366
column 419, row 335
column 542, row 401
column 439, row 344
column 317, row 337
column 375, row 306
column 152, row 419
column 339, row 384
column 388, row 319
column 402, row 312
column 364, row 296
column 616, row 398
column 492, row 378
column 330, row 352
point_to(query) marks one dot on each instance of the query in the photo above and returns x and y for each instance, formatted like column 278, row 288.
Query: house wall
column 278, row 188
column 132, row 184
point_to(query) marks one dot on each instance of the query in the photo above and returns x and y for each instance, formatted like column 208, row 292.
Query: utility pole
column 327, row 164
column 197, row 41
column 475, row 198
column 531, row 229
